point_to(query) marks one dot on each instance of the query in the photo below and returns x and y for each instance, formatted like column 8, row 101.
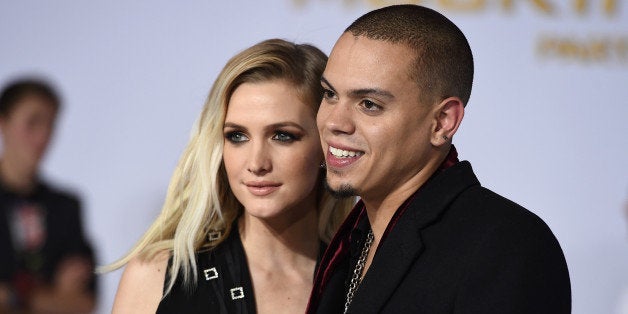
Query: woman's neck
column 274, row 243
column 281, row 254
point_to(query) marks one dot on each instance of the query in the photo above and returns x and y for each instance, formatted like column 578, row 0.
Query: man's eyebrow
column 380, row 93
column 362, row 92
column 326, row 82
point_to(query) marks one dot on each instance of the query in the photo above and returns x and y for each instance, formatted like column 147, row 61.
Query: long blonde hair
column 199, row 200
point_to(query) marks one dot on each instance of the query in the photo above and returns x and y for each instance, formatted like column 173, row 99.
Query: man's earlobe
column 448, row 118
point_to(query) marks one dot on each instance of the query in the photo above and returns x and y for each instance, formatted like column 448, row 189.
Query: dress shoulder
column 222, row 285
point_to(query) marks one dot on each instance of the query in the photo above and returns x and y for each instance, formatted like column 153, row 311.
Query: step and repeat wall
column 545, row 126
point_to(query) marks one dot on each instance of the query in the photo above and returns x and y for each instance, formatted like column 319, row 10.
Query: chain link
column 357, row 272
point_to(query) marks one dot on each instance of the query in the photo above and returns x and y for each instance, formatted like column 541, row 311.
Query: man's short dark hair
column 444, row 62
column 17, row 90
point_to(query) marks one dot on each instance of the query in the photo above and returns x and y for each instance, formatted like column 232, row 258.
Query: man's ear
column 448, row 115
column 3, row 122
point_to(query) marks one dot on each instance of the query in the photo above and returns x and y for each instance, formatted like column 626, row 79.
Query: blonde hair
column 199, row 200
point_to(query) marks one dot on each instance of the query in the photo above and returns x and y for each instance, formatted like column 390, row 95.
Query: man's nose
column 336, row 118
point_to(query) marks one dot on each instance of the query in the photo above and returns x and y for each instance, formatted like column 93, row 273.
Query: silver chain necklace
column 357, row 272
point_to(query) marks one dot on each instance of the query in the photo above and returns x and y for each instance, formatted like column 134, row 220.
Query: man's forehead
column 361, row 60
column 350, row 43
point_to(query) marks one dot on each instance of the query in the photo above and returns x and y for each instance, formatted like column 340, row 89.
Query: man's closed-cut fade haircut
column 444, row 62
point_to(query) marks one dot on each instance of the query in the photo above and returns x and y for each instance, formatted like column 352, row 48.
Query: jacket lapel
column 403, row 246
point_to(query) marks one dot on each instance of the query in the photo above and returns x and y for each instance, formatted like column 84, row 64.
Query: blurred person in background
column 46, row 264
column 246, row 218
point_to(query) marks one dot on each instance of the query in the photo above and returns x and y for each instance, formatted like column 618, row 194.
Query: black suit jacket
column 457, row 248
column 64, row 232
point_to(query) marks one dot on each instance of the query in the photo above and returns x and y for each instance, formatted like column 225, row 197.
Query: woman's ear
column 448, row 115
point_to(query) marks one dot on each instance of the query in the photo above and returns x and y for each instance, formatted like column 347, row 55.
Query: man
column 425, row 237
column 46, row 265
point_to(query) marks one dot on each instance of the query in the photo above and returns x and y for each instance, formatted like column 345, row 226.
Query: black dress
column 223, row 284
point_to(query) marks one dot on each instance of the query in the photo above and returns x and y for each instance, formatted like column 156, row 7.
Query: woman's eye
column 284, row 137
column 236, row 137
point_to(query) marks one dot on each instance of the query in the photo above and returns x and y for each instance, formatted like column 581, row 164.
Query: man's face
column 27, row 130
column 374, row 130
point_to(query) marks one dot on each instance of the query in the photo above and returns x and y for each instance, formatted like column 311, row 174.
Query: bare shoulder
column 141, row 286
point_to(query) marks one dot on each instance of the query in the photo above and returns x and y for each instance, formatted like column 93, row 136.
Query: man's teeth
column 337, row 152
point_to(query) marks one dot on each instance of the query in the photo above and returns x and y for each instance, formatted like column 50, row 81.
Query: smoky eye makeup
column 284, row 136
column 283, row 133
column 235, row 137
column 234, row 133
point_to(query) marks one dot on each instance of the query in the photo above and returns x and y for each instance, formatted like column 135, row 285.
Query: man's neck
column 17, row 177
column 380, row 210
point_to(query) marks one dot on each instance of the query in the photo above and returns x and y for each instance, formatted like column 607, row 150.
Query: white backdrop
column 545, row 125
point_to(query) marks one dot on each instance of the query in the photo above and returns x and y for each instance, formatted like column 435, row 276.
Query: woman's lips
column 262, row 188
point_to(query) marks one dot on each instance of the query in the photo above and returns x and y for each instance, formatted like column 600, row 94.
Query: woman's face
column 272, row 150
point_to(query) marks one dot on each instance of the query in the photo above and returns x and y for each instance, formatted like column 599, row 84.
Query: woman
column 242, row 224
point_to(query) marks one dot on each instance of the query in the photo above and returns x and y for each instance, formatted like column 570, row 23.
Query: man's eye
column 284, row 137
column 328, row 93
column 370, row 106
column 236, row 137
